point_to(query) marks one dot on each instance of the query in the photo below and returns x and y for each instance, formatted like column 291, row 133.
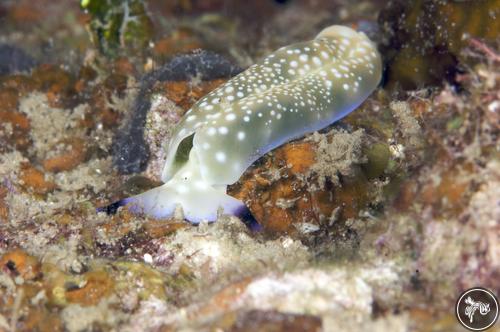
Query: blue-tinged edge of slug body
column 243, row 214
column 113, row 207
column 248, row 219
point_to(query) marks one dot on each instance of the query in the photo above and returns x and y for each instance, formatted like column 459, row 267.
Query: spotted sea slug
column 296, row 90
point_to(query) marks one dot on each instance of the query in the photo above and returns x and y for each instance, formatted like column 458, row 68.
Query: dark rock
column 203, row 64
column 130, row 151
column 13, row 59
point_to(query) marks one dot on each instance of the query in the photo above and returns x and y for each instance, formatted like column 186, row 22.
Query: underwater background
column 378, row 222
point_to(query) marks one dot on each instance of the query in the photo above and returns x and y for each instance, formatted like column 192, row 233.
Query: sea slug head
column 336, row 31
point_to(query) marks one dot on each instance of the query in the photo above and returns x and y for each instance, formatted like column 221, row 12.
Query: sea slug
column 296, row 90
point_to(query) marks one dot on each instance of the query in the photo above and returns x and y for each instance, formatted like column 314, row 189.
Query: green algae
column 149, row 281
column 455, row 123
column 378, row 156
column 118, row 25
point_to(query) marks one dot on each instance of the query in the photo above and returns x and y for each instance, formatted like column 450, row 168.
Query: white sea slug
column 296, row 90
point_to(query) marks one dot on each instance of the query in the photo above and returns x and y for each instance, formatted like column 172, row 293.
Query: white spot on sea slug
column 223, row 130
column 230, row 117
column 201, row 185
column 220, row 156
column 241, row 135
column 182, row 189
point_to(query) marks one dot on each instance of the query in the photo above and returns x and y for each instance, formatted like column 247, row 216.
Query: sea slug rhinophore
column 296, row 90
